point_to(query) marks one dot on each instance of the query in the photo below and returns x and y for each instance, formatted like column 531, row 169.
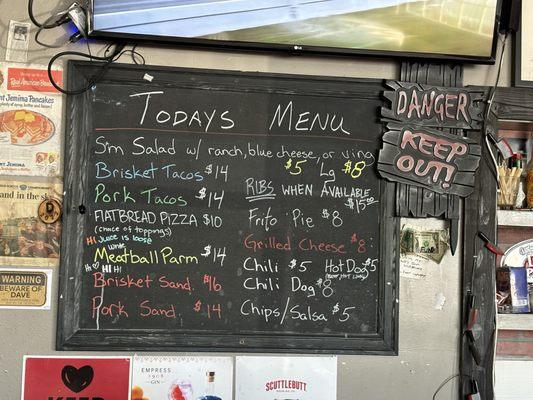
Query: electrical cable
column 88, row 47
column 117, row 52
column 133, row 54
column 42, row 28
column 62, row 18
column 492, row 94
column 487, row 135
column 50, row 46
column 445, row 382
column 489, row 106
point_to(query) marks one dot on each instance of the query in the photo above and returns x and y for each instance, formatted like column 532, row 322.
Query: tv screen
column 451, row 29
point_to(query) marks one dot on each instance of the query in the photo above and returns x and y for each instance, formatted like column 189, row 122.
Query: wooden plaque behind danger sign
column 438, row 107
column 429, row 158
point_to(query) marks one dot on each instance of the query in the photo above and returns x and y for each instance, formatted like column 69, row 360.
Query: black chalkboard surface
column 217, row 210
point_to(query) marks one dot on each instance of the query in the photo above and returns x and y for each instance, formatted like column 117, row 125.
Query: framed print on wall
column 523, row 54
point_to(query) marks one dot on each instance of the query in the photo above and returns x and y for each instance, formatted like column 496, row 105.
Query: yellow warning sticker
column 25, row 288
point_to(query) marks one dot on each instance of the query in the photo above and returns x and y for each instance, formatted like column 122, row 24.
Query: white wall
column 428, row 336
column 514, row 379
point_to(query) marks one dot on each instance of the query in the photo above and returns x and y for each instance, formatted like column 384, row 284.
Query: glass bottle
column 209, row 392
column 521, row 190
column 529, row 180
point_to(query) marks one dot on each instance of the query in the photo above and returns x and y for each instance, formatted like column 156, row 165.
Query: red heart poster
column 76, row 378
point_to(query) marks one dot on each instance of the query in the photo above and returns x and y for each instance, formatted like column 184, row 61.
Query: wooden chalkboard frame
column 69, row 334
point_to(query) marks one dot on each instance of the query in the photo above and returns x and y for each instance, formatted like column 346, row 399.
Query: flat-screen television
column 463, row 30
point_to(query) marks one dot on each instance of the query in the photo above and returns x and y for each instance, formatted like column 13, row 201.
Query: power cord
column 51, row 46
column 116, row 53
column 74, row 13
column 492, row 93
column 112, row 53
column 136, row 57
column 62, row 18
column 450, row 378
column 77, row 14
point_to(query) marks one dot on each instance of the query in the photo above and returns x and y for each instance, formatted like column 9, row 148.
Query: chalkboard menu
column 217, row 210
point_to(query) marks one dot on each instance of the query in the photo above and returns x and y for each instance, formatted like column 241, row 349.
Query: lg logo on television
column 76, row 379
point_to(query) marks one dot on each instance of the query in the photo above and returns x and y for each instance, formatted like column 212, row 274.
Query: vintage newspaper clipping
column 24, row 239
column 18, row 39
column 30, row 121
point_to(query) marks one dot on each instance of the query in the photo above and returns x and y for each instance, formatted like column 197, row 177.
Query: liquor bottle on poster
column 180, row 390
column 209, row 392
